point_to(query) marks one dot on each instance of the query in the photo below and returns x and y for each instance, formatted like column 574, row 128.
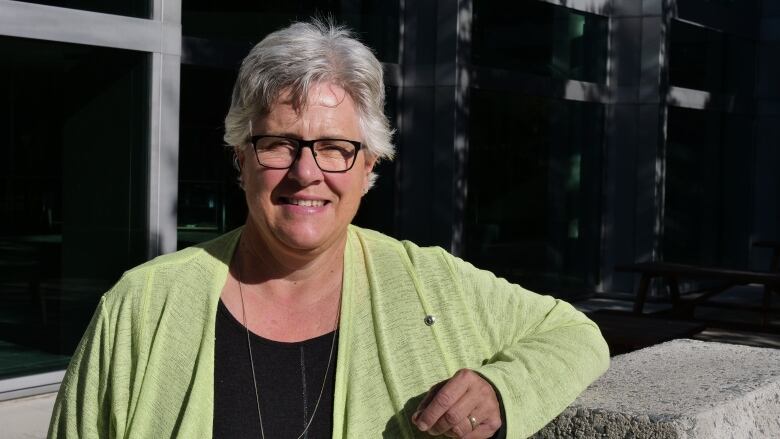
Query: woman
column 301, row 325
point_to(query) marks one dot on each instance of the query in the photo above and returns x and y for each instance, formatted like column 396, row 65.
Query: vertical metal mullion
column 163, row 154
column 164, row 130
column 153, row 203
column 157, row 9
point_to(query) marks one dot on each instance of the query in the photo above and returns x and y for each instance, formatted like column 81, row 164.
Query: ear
column 238, row 158
column 238, row 165
column 369, row 167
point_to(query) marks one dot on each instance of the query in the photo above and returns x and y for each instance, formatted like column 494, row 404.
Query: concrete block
column 681, row 389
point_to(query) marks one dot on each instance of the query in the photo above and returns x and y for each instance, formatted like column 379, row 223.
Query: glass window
column 73, row 154
column 705, row 59
column 541, row 39
column 210, row 201
column 378, row 207
column 375, row 21
column 534, row 185
column 737, row 12
column 132, row 8
column 708, row 174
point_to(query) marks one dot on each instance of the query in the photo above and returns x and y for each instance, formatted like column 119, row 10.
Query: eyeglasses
column 331, row 155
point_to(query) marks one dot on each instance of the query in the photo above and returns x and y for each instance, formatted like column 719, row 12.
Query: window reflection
column 533, row 209
column 375, row 21
column 73, row 144
column 708, row 174
column 210, row 201
column 711, row 60
column 541, row 39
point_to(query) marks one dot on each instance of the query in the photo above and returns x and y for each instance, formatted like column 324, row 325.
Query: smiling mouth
column 304, row 203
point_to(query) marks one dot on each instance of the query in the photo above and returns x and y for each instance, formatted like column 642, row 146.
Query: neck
column 286, row 274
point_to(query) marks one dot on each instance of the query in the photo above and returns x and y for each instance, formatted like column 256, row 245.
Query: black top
column 289, row 381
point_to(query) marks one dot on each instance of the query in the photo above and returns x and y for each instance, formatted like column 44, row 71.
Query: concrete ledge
column 680, row 389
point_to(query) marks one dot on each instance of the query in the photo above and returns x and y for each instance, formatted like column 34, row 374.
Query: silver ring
column 473, row 422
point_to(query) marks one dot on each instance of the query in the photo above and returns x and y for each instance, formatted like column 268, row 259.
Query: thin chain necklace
column 252, row 359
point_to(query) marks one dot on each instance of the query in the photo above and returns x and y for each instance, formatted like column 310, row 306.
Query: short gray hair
column 296, row 58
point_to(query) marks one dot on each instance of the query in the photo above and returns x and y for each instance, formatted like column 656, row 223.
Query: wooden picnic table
column 671, row 273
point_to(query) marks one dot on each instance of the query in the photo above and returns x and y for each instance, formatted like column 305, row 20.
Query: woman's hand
column 464, row 406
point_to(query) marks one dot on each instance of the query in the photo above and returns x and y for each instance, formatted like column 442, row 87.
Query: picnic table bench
column 671, row 273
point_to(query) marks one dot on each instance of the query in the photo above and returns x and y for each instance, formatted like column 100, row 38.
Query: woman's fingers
column 440, row 400
column 455, row 421
column 461, row 429
column 486, row 416
column 447, row 407
column 482, row 431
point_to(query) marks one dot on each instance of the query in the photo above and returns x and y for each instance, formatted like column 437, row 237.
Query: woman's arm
column 545, row 352
column 82, row 407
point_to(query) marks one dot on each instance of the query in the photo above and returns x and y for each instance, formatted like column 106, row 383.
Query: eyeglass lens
column 281, row 152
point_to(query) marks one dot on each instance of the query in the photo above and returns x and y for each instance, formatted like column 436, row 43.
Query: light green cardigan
column 145, row 367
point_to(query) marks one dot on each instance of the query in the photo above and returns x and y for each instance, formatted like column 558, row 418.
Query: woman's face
column 304, row 208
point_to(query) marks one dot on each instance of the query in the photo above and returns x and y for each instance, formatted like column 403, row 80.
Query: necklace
column 252, row 360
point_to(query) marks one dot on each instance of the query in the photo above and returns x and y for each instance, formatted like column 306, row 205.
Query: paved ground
column 26, row 418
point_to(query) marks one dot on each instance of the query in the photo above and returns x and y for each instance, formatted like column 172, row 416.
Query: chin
column 306, row 238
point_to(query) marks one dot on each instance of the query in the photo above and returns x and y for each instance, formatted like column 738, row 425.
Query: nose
column 305, row 170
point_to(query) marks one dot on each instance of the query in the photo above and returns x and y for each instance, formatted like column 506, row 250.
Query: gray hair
column 298, row 57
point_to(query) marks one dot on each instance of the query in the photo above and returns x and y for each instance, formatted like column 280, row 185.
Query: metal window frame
column 30, row 385
column 160, row 37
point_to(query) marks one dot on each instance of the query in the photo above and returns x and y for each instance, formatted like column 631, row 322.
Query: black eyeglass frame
column 305, row 144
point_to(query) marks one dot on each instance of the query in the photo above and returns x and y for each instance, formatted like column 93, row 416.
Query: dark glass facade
column 73, row 153
column 246, row 22
column 378, row 207
column 708, row 198
column 706, row 59
column 533, row 212
column 541, row 39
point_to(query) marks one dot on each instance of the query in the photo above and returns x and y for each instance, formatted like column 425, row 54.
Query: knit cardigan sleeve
column 545, row 351
column 82, row 408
